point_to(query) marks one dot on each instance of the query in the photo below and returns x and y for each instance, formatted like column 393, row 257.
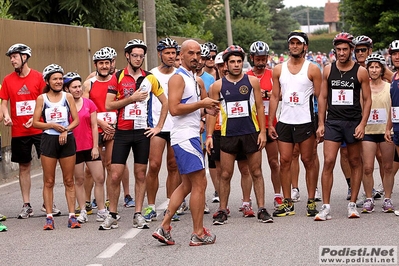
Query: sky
column 312, row 3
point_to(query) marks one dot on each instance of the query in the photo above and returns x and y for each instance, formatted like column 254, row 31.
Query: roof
column 331, row 12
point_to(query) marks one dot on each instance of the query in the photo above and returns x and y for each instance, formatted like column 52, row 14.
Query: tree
column 377, row 19
column 4, row 9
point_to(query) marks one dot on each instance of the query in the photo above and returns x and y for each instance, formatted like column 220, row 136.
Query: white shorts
column 189, row 156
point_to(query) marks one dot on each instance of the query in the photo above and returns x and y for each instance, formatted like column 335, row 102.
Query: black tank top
column 343, row 96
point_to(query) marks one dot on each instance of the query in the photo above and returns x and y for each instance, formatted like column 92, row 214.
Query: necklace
column 342, row 72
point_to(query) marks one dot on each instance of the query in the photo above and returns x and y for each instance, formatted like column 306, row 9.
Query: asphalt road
column 293, row 240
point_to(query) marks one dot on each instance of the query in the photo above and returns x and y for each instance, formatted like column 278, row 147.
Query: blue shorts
column 189, row 156
column 377, row 138
column 340, row 131
column 395, row 138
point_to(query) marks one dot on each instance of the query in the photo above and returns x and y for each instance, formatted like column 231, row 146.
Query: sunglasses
column 363, row 50
column 211, row 57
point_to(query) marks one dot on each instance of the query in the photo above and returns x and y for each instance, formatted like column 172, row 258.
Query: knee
column 368, row 170
column 307, row 162
column 68, row 182
column 274, row 165
column 154, row 166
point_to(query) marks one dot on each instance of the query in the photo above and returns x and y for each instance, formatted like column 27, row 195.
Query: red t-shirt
column 21, row 93
column 266, row 84
column 83, row 133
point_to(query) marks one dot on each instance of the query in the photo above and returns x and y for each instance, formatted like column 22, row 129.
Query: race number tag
column 342, row 97
column 294, row 98
column 237, row 109
column 377, row 116
column 25, row 107
column 109, row 117
column 266, row 107
column 135, row 111
column 57, row 114
column 395, row 114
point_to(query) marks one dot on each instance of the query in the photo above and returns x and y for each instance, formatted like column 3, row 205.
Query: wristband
column 205, row 112
column 209, row 136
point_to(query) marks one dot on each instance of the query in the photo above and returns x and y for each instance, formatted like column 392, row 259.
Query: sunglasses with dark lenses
column 211, row 57
column 363, row 50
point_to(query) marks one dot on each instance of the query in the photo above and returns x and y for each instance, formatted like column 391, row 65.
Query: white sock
column 327, row 206
column 277, row 195
column 50, row 215
column 152, row 206
column 73, row 214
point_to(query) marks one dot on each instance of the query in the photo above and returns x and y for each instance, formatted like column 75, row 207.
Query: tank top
column 380, row 106
column 395, row 102
column 343, row 97
column 238, row 109
column 297, row 95
column 58, row 112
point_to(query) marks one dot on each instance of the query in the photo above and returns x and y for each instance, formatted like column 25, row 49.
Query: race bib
column 294, row 98
column 25, row 107
column 135, row 111
column 342, row 97
column 57, row 114
column 237, row 109
column 395, row 114
column 266, row 107
column 377, row 116
column 109, row 117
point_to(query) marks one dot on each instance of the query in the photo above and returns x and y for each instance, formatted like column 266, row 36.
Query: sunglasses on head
column 363, row 50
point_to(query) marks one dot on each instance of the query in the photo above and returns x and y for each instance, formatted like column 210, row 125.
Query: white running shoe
column 295, row 195
column 352, row 211
column 324, row 214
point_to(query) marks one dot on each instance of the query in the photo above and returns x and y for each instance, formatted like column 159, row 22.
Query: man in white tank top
column 296, row 80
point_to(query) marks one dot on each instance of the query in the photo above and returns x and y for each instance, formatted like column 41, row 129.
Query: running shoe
column 349, row 194
column 368, row 206
column 54, row 211
column 264, row 216
column 206, row 209
column 3, row 227
column 376, row 194
column 129, row 201
column 352, row 211
column 215, row 198
column 89, row 208
column 217, row 211
column 317, row 195
column 150, row 214
column 387, row 206
column 220, row 217
column 109, row 223
column 26, row 212
column 49, row 225
column 242, row 203
column 277, row 202
column 285, row 209
column 295, row 195
column 163, row 235
column 73, row 222
column 83, row 217
column 247, row 211
column 360, row 201
column 311, row 208
column 94, row 204
column 139, row 221
column 101, row 216
column 183, row 207
column 207, row 239
column 324, row 214
column 2, row 217
column 175, row 217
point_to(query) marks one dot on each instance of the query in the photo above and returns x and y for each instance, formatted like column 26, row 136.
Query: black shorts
column 396, row 157
column 215, row 152
column 101, row 141
column 51, row 147
column 244, row 144
column 21, row 148
column 294, row 133
column 268, row 138
column 126, row 140
column 340, row 130
column 164, row 135
column 377, row 138
column 85, row 156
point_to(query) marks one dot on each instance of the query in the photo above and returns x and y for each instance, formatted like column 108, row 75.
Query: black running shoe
column 311, row 208
column 220, row 218
column 264, row 216
column 285, row 209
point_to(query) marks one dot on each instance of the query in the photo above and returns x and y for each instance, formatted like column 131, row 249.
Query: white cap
column 219, row 58
column 302, row 40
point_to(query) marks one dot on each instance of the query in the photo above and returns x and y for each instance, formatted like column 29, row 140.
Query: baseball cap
column 300, row 38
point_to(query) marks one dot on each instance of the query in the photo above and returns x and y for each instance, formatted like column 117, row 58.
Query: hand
column 261, row 140
column 29, row 123
column 94, row 153
column 320, row 134
column 7, row 121
column 107, row 137
column 151, row 132
column 108, row 129
column 62, row 139
column 387, row 136
column 209, row 145
column 59, row 128
column 272, row 132
column 139, row 95
column 359, row 132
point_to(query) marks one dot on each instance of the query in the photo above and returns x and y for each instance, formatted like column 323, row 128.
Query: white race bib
column 395, row 114
column 377, row 116
column 342, row 97
column 266, row 107
column 109, row 117
column 294, row 98
column 237, row 109
column 57, row 114
column 25, row 107
column 136, row 111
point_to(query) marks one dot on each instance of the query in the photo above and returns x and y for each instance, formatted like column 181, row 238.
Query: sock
column 71, row 214
column 50, row 215
column 27, row 204
column 327, row 206
column 348, row 181
column 296, row 188
column 102, row 211
column 152, row 206
column 113, row 214
column 277, row 195
column 245, row 203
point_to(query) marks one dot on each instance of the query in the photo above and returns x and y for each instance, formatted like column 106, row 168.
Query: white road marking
column 131, row 233
column 17, row 181
column 111, row 250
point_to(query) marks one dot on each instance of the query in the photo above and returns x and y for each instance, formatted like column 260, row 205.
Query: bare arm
column 86, row 89
column 94, row 132
column 151, row 132
column 214, row 93
column 315, row 76
column 112, row 103
column 274, row 99
column 6, row 114
column 322, row 102
column 363, row 78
